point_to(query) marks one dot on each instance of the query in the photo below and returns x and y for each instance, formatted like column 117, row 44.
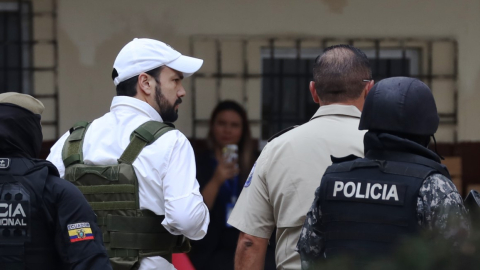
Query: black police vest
column 26, row 226
column 369, row 204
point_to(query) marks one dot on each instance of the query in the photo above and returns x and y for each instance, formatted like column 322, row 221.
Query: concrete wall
column 90, row 34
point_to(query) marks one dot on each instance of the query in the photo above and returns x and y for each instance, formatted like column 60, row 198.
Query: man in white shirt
column 148, row 77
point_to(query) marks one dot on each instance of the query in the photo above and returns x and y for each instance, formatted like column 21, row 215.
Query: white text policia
column 376, row 191
column 9, row 218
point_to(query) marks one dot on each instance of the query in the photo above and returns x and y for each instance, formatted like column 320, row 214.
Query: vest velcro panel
column 26, row 244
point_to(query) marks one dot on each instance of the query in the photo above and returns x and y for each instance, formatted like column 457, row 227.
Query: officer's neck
column 356, row 102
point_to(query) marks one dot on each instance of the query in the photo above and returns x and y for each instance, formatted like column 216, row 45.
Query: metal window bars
column 433, row 60
column 29, row 50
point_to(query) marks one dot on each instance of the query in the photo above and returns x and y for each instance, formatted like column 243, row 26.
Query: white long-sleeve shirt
column 165, row 169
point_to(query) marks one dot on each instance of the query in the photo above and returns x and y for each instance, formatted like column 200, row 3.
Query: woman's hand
column 225, row 170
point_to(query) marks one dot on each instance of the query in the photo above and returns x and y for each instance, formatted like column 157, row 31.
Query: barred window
column 15, row 47
column 270, row 76
column 285, row 99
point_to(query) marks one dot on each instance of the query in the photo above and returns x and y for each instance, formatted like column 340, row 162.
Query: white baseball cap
column 144, row 54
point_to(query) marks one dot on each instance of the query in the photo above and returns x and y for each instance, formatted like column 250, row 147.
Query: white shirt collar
column 137, row 105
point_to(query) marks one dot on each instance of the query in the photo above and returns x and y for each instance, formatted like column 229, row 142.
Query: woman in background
column 221, row 182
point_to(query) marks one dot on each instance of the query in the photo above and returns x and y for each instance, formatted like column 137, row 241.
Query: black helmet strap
column 435, row 142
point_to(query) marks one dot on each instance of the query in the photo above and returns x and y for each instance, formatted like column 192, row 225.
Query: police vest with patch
column 129, row 233
column 369, row 204
column 26, row 234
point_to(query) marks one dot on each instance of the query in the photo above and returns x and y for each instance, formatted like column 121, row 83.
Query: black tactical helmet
column 400, row 104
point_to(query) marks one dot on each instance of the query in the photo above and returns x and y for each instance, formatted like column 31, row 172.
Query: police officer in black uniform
column 45, row 222
column 363, row 206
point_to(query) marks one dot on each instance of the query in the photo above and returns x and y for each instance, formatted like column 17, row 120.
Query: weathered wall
column 90, row 34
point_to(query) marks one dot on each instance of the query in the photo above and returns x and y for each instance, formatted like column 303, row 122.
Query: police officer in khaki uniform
column 280, row 188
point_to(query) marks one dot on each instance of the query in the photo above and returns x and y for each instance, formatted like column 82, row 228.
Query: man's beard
column 167, row 110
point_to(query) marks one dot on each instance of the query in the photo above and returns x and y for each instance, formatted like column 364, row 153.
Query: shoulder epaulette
column 278, row 134
column 343, row 159
column 40, row 164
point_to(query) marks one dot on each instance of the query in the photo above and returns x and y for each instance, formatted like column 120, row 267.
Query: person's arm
column 185, row 211
column 55, row 155
column 441, row 209
column 310, row 244
column 253, row 217
column 225, row 170
column 78, row 239
column 250, row 254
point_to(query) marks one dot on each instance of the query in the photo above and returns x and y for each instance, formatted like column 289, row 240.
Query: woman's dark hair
column 129, row 87
column 245, row 145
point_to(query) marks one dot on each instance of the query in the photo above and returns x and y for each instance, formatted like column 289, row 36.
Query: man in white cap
column 162, row 185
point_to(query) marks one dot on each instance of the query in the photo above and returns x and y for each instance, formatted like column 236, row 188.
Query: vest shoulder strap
column 411, row 158
column 144, row 135
column 398, row 167
column 72, row 149
column 40, row 164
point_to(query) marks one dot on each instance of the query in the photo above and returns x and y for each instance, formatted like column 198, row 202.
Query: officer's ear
column 145, row 84
column 368, row 87
column 313, row 92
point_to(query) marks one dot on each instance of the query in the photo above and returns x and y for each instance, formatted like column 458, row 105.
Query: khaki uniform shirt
column 281, row 186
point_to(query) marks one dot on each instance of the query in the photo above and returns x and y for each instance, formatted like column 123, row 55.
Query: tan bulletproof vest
column 129, row 233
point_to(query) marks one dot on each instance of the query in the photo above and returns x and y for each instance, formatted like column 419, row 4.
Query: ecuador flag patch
column 80, row 232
